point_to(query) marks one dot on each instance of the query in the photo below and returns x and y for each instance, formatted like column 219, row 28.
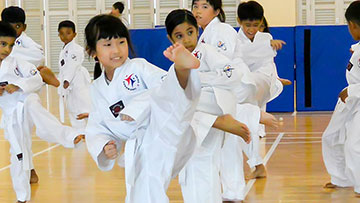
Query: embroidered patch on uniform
column 20, row 156
column 163, row 77
column 198, row 55
column 16, row 71
column 359, row 63
column 221, row 45
column 4, row 83
column 203, row 40
column 18, row 42
column 116, row 108
column 131, row 82
column 62, row 62
column 73, row 57
column 228, row 71
column 349, row 66
column 33, row 72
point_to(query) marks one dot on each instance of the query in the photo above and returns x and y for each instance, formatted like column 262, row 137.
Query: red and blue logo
column 131, row 82
column 221, row 45
column 228, row 71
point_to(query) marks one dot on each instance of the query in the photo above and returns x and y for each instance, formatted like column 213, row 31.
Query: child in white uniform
column 341, row 140
column 133, row 101
column 21, row 110
column 74, row 78
column 26, row 48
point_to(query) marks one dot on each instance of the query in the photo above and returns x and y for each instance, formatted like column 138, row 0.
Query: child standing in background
column 74, row 78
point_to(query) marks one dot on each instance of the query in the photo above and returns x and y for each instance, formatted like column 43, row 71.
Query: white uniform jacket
column 28, row 79
column 27, row 49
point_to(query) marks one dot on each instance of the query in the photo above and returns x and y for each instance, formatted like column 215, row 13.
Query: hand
column 343, row 95
column 11, row 88
column 82, row 116
column 124, row 117
column 2, row 89
column 66, row 84
column 110, row 150
column 277, row 44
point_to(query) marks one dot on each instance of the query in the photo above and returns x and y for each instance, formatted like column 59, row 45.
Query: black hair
column 216, row 4
column 104, row 27
column 97, row 68
column 177, row 17
column 119, row 5
column 352, row 13
column 250, row 10
column 6, row 30
column 68, row 24
column 266, row 25
column 13, row 14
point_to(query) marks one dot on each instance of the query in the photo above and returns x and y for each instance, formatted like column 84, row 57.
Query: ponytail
column 221, row 15
column 97, row 69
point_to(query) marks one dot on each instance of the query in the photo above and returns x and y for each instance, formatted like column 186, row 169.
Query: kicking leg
column 48, row 76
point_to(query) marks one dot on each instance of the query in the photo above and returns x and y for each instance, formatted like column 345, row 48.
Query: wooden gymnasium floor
column 292, row 154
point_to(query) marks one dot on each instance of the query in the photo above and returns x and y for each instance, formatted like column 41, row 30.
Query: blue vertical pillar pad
column 319, row 84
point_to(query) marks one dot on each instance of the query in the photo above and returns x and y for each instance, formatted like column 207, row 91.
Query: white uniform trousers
column 232, row 168
column 341, row 145
column 48, row 128
column 169, row 140
column 200, row 180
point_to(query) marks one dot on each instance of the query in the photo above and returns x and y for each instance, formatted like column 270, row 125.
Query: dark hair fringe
column 177, row 17
column 352, row 13
column 6, row 30
column 13, row 14
column 216, row 4
column 67, row 23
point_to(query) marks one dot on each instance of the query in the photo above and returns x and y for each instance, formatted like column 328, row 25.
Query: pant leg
column 20, row 179
column 169, row 139
column 352, row 151
column 48, row 127
column 200, row 179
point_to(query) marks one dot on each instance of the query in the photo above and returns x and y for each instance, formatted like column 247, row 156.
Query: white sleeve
column 31, row 80
column 97, row 136
column 225, row 41
column 29, row 51
column 152, row 75
column 354, row 90
column 73, row 62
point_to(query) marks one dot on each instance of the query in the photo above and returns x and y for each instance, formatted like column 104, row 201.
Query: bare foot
column 357, row 195
column 182, row 57
column 227, row 123
column 33, row 177
column 285, row 82
column 21, row 201
column 48, row 76
column 260, row 172
column 82, row 116
column 79, row 138
column 268, row 119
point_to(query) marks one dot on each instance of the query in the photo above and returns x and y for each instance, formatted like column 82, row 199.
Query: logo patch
column 16, row 71
column 349, row 66
column 73, row 57
column 202, row 40
column 198, row 55
column 221, row 45
column 33, row 71
column 116, row 108
column 131, row 82
column 228, row 71
column 62, row 62
column 18, row 42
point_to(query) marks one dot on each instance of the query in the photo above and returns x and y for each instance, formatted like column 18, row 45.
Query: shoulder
column 263, row 36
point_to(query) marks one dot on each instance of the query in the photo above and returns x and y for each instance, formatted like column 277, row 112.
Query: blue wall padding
column 329, row 57
column 285, row 61
column 150, row 44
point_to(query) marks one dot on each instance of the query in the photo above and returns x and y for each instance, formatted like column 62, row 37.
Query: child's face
column 250, row 27
column 115, row 12
column 185, row 34
column 113, row 52
column 354, row 30
column 6, row 45
column 19, row 28
column 66, row 34
column 204, row 12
